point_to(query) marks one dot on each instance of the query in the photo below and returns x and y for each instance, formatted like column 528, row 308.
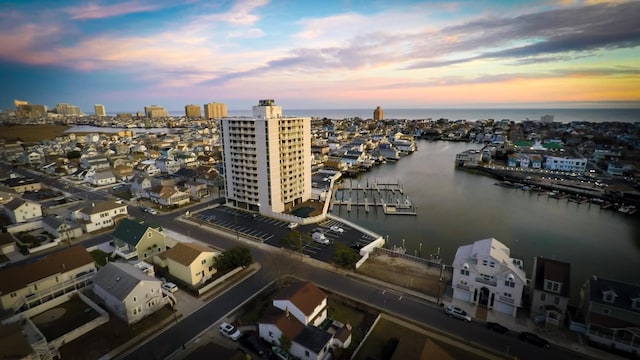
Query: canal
column 456, row 208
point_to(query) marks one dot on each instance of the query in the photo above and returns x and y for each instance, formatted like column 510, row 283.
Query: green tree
column 295, row 240
column 344, row 256
column 285, row 342
column 233, row 258
column 74, row 155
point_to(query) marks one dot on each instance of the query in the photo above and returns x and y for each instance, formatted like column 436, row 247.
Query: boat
column 627, row 209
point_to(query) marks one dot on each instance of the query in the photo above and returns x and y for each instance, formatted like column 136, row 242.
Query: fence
column 427, row 262
column 218, row 281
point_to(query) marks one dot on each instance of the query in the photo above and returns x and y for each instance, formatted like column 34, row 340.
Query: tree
column 74, row 155
column 285, row 342
column 344, row 256
column 233, row 258
column 295, row 240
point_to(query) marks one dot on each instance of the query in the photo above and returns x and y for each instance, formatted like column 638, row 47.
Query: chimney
column 286, row 310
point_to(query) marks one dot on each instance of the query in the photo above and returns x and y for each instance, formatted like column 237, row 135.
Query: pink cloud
column 96, row 11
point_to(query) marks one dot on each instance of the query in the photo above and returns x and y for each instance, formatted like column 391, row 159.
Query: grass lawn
column 100, row 257
column 253, row 310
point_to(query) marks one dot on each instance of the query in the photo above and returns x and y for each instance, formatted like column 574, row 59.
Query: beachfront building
column 192, row 111
column 267, row 159
column 565, row 164
column 378, row 114
column 215, row 110
column 155, row 112
column 99, row 110
column 486, row 275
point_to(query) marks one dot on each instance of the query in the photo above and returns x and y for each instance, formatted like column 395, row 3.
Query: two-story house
column 485, row 275
column 34, row 282
column 191, row 263
column 22, row 184
column 168, row 196
column 167, row 166
column 295, row 314
column 140, row 186
column 127, row 292
column 20, row 211
column 100, row 215
column 101, row 177
column 550, row 290
column 612, row 313
column 136, row 239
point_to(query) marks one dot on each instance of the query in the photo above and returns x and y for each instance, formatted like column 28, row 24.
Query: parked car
column 229, row 331
column 497, row 328
column 534, row 339
column 337, row 229
column 319, row 238
column 149, row 211
column 281, row 354
column 252, row 342
column 292, row 225
column 457, row 313
column 170, row 287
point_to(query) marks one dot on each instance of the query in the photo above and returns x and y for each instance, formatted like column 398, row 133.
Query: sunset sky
column 320, row 54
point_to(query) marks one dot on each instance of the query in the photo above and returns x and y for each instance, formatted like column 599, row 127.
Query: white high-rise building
column 267, row 159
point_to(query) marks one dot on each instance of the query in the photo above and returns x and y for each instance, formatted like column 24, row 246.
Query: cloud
column 240, row 13
column 97, row 11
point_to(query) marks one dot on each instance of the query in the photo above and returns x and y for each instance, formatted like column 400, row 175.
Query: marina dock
column 389, row 197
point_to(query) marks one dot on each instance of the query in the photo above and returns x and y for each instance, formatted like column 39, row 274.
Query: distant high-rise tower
column 66, row 109
column 267, row 159
column 378, row 114
column 99, row 109
column 192, row 111
column 155, row 111
column 17, row 102
column 215, row 110
column 546, row 119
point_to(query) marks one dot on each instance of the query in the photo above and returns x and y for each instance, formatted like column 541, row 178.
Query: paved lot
column 270, row 231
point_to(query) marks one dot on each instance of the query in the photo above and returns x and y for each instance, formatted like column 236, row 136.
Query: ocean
column 560, row 115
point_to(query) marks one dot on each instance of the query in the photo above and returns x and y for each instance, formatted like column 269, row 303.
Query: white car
column 170, row 287
column 150, row 211
column 292, row 225
column 337, row 229
column 458, row 313
column 320, row 238
column 229, row 331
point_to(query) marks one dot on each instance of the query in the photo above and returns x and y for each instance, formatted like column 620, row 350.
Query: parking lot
column 271, row 231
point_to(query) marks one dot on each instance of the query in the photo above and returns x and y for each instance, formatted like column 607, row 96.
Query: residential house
column 61, row 228
column 136, row 239
column 619, row 169
column 197, row 190
column 187, row 160
column 19, row 210
column 140, row 186
column 146, row 168
column 191, row 263
column 22, row 184
column 565, row 164
column 97, row 162
column 485, row 275
column 14, row 343
column 99, row 215
column 127, row 292
column 7, row 243
column 612, row 313
column 550, row 291
column 62, row 271
column 208, row 175
column 295, row 314
column 101, row 178
column 167, row 166
column 33, row 157
column 168, row 196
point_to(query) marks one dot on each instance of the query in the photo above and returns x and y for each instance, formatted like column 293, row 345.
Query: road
column 275, row 264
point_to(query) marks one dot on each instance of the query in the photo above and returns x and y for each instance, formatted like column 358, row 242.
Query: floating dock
column 389, row 197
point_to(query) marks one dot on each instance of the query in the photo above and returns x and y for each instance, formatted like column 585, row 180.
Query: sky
column 320, row 54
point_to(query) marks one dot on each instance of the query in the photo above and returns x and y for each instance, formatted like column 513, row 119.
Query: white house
column 485, row 275
column 127, row 292
column 101, row 177
column 100, row 215
column 565, row 164
column 295, row 314
column 140, row 186
column 20, row 211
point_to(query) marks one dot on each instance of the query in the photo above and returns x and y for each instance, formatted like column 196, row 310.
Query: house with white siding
column 19, row 210
column 486, row 275
column 99, row 215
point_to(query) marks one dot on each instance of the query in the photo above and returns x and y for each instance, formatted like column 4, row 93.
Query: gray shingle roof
column 119, row 279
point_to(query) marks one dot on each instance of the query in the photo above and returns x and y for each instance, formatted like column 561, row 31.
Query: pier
column 389, row 197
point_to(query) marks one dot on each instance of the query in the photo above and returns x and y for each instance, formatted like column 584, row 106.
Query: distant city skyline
column 306, row 55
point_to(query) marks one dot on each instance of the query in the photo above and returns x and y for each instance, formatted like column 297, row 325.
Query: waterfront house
column 565, row 164
column 611, row 311
column 36, row 282
column 19, row 210
column 485, row 275
column 550, row 291
column 136, row 239
column 127, row 292
column 191, row 263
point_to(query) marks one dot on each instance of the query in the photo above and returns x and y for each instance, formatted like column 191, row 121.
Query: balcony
column 485, row 281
